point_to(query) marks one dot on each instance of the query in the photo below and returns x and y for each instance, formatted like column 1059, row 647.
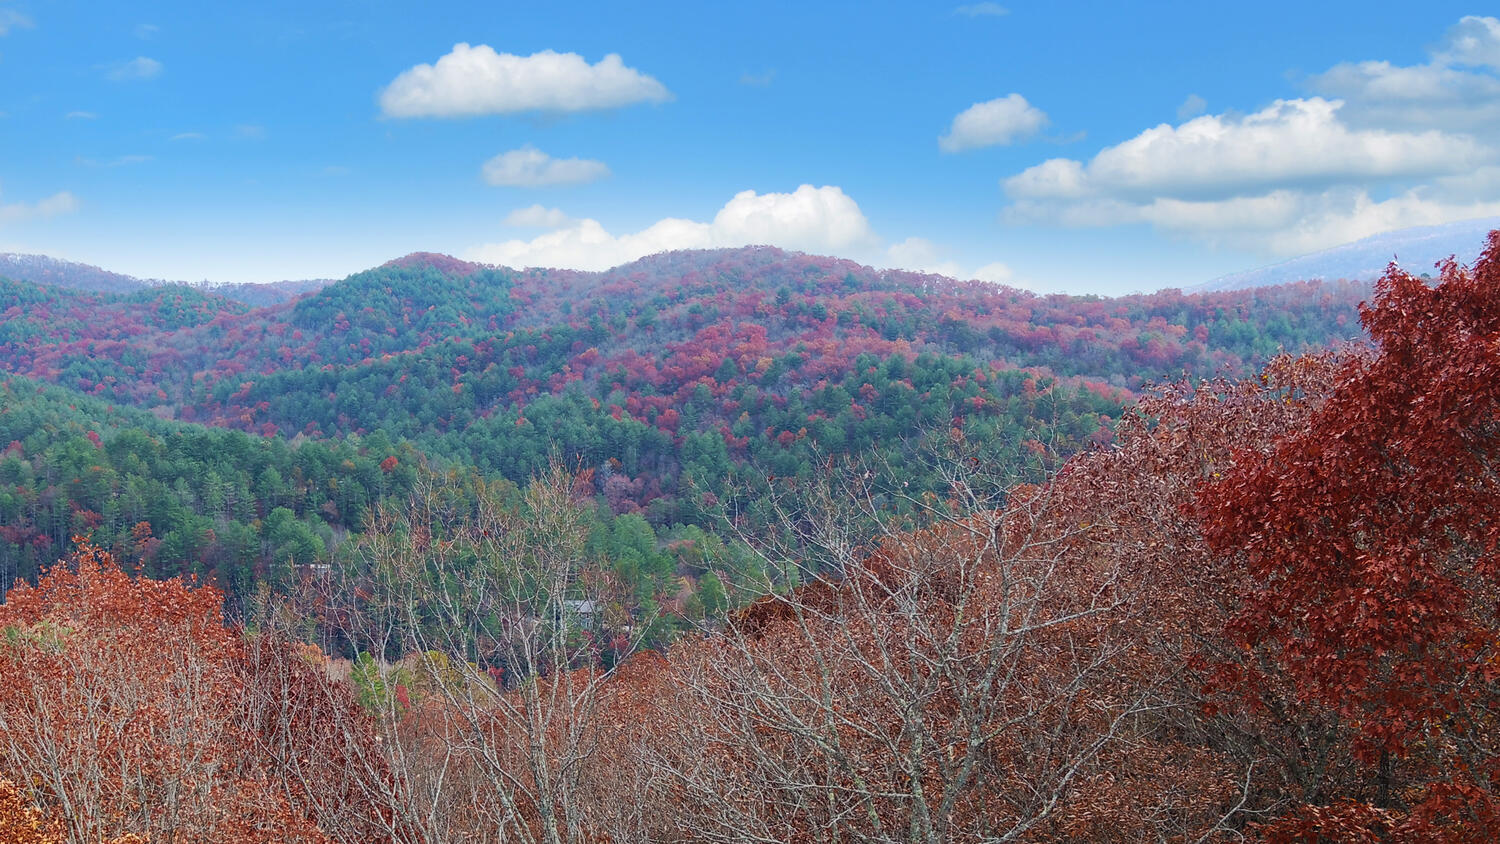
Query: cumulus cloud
column 1474, row 40
column 1385, row 146
column 529, row 167
column 1280, row 222
column 1335, row 218
column 1379, row 93
column 58, row 203
column 1457, row 90
column 1380, row 146
column 137, row 69
column 1299, row 142
column 813, row 219
column 999, row 121
column 1294, row 223
column 537, row 217
column 471, row 81
column 981, row 10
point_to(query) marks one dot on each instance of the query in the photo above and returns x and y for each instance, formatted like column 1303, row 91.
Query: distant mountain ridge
column 44, row 269
column 1416, row 249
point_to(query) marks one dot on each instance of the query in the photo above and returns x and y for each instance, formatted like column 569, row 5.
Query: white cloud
column 146, row 31
column 1191, row 107
column 1281, row 222
column 1458, row 90
column 1055, row 178
column 1476, row 185
column 188, row 136
column 998, row 121
column 537, row 217
column 58, row 203
column 80, row 115
column 529, row 167
column 1297, row 142
column 1382, row 146
column 758, row 80
column 12, row 19
column 1474, row 40
column 250, row 131
column 979, row 10
column 471, row 81
column 137, row 69
column 1419, row 96
column 1398, row 147
column 811, row 219
column 1339, row 217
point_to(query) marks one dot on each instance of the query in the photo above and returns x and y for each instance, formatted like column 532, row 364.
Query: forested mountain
column 678, row 384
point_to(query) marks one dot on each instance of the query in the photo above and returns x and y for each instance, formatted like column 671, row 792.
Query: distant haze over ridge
column 44, row 269
column 1415, row 249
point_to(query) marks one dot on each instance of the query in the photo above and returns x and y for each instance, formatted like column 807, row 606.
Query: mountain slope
column 1415, row 249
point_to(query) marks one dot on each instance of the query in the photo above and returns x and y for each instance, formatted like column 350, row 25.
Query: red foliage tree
column 1372, row 537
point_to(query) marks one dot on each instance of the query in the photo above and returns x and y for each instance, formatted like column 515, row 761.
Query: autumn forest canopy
column 750, row 545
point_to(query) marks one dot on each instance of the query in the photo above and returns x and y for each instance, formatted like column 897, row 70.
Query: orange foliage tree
column 123, row 712
column 20, row 822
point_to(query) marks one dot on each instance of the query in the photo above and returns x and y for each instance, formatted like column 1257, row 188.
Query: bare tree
column 977, row 679
column 482, row 625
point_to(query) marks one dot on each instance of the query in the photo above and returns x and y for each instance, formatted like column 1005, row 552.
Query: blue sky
column 1088, row 147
